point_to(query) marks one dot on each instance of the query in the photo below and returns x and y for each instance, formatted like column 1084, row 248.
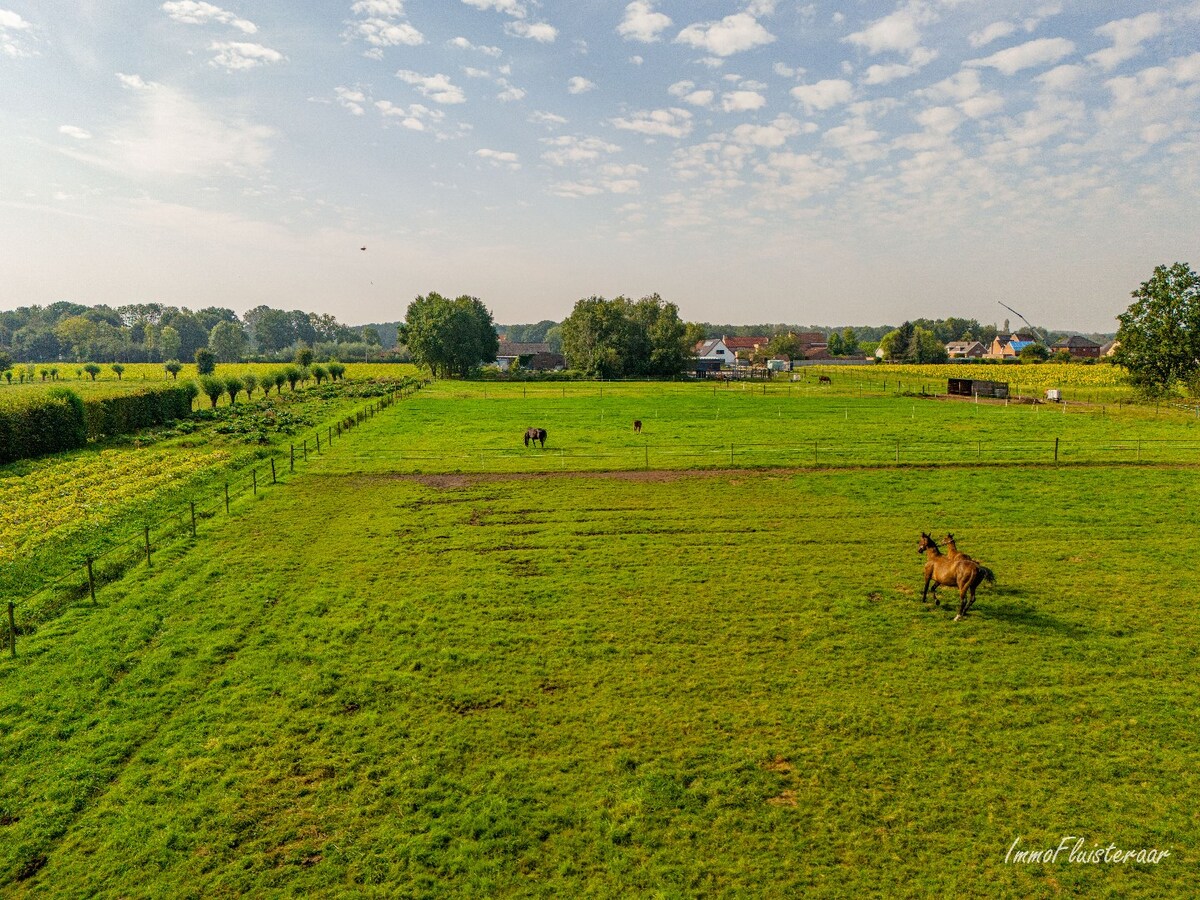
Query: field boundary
column 876, row 453
column 178, row 522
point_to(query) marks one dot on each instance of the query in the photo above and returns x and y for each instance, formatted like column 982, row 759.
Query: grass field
column 666, row 683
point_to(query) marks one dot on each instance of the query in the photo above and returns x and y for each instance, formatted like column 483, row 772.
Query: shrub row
column 126, row 413
column 47, row 423
column 59, row 420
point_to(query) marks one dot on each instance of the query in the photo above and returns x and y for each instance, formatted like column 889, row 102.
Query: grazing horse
column 961, row 572
column 637, row 426
column 824, row 379
column 536, row 436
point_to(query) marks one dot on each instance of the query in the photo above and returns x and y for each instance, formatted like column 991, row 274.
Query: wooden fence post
column 254, row 478
column 227, row 498
column 1056, row 449
column 306, row 449
column 293, row 457
column 91, row 580
column 318, row 442
column 148, row 562
column 272, row 470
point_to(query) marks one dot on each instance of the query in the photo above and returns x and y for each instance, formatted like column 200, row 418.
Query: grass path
column 715, row 685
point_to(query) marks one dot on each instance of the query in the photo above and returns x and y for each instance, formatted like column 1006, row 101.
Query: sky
column 756, row 161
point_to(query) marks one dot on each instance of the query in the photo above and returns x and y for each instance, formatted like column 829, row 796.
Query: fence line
column 826, row 454
column 86, row 578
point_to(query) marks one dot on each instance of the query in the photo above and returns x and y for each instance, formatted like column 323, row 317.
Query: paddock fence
column 177, row 521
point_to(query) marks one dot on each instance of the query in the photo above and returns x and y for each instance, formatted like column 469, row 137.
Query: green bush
column 35, row 426
column 111, row 416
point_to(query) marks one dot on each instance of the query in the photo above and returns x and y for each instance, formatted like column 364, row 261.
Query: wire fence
column 178, row 521
column 651, row 456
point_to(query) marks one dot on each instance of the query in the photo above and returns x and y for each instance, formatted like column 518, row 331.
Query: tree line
column 154, row 332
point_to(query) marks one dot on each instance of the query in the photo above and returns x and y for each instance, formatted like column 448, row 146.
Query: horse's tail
column 987, row 575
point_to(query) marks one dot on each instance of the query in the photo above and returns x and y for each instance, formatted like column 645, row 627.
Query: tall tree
column 228, row 341
column 1159, row 335
column 450, row 337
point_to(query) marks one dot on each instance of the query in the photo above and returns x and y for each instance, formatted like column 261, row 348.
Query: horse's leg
column 926, row 591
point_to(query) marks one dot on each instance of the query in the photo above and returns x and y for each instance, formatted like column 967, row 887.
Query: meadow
column 543, row 677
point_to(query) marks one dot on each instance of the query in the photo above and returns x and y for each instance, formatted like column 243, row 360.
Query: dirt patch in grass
column 787, row 798
column 780, row 765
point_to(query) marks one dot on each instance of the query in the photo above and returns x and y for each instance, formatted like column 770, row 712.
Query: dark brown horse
column 535, row 436
column 824, row 379
column 637, row 426
column 961, row 572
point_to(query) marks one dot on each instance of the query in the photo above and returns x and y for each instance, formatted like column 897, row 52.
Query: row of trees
column 153, row 332
column 622, row 338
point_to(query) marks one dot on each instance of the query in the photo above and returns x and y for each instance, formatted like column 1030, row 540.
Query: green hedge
column 59, row 420
column 126, row 413
column 47, row 423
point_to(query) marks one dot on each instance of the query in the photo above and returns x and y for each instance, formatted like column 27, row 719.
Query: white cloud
column 538, row 117
column 510, row 94
column 500, row 158
column 575, row 150
column 993, row 32
column 898, row 31
column 773, row 135
column 234, row 56
column 191, row 12
column 416, row 117
column 381, row 8
column 733, row 34
column 436, row 87
column 1040, row 52
column 824, row 94
column 642, row 23
column 1062, row 78
column 513, row 8
column 1127, row 36
column 673, row 122
column 885, row 74
column 463, row 44
column 579, row 85
column 541, row 32
column 168, row 134
column 351, row 99
column 74, row 131
column 381, row 33
column 10, row 23
column 742, row 101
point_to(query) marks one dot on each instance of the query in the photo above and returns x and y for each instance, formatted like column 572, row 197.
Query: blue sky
column 769, row 160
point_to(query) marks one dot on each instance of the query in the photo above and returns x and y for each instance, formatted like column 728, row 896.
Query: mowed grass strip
column 615, row 685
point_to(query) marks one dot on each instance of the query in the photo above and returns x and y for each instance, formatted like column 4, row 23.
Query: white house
column 715, row 350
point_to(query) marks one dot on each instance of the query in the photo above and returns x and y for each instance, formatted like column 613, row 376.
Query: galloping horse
column 536, row 436
column 961, row 572
column 637, row 426
column 824, row 379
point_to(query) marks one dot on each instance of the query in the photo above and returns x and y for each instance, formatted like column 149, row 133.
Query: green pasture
column 674, row 683
column 609, row 685
column 478, row 427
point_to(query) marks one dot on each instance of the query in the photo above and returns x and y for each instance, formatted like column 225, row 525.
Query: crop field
column 54, row 510
column 559, row 673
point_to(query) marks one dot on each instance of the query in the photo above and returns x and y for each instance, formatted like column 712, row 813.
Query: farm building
column 973, row 387
column 530, row 355
column 1078, row 346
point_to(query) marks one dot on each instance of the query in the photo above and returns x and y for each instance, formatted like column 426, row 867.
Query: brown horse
column 535, row 436
column 637, row 426
column 961, row 572
column 825, row 379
